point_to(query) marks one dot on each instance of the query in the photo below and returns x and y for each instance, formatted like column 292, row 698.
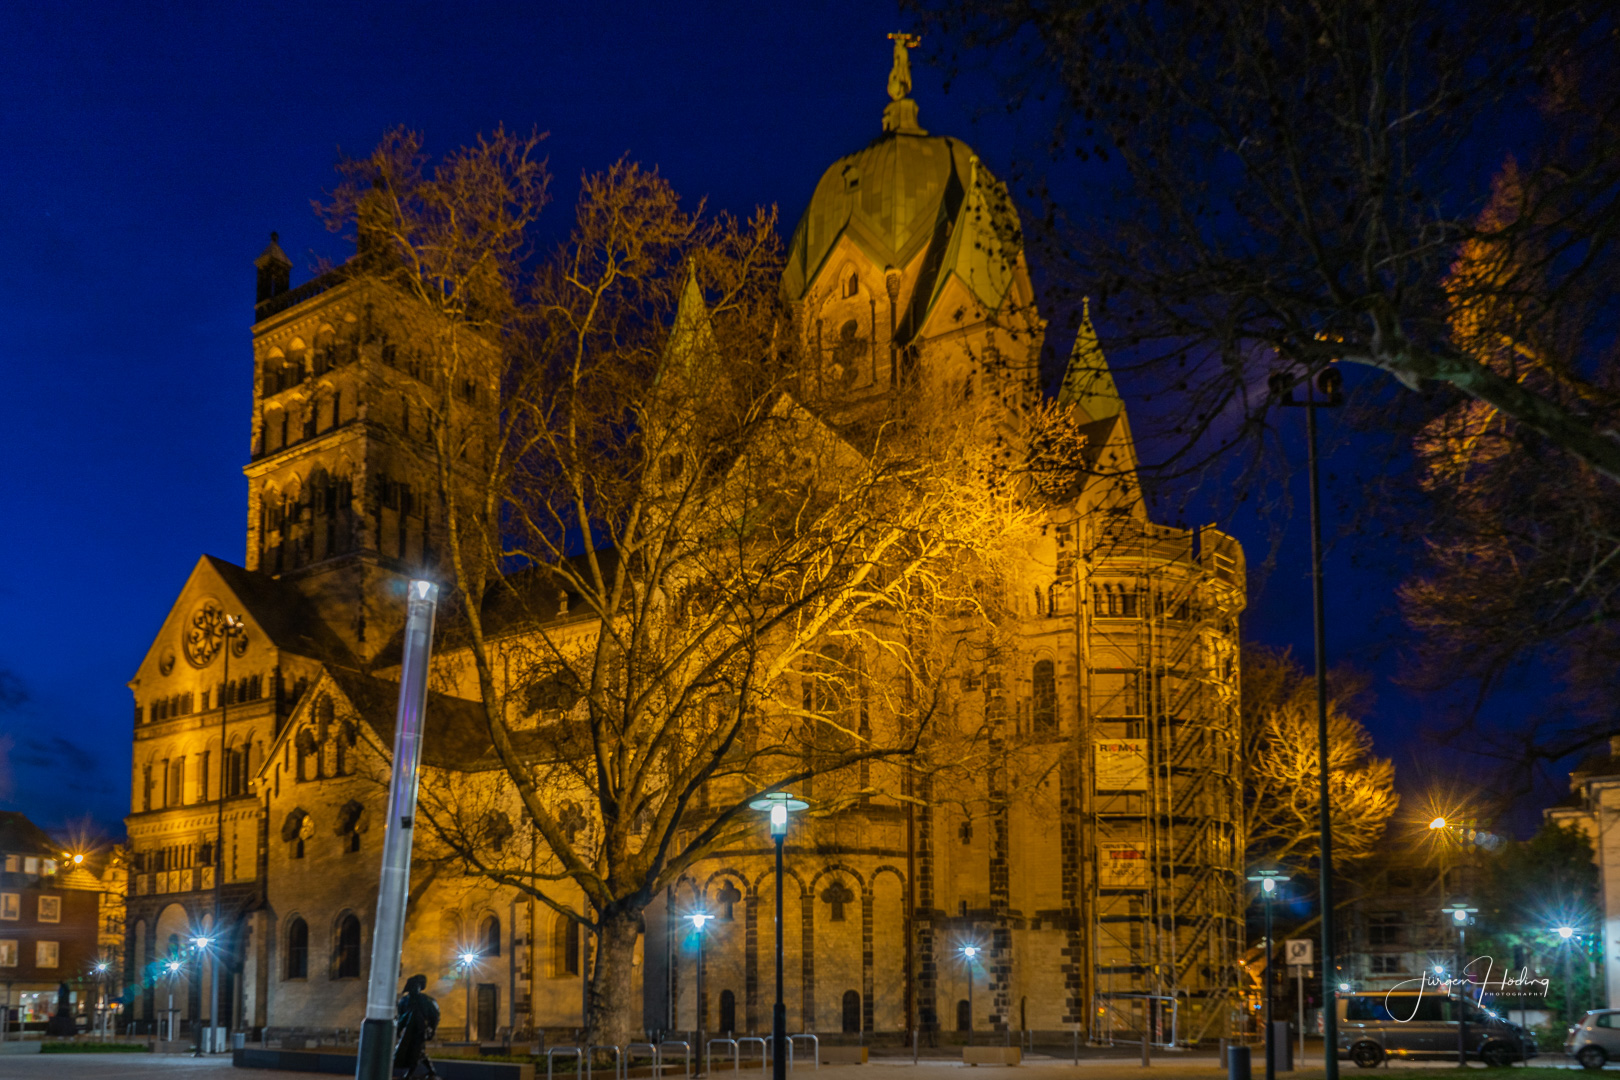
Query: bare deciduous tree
column 675, row 587
column 1286, row 185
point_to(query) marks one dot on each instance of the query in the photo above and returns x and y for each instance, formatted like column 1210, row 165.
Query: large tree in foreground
column 1285, row 185
column 1521, row 560
column 674, row 587
column 1282, row 765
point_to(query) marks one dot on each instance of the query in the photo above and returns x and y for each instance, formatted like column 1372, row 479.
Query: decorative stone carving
column 205, row 633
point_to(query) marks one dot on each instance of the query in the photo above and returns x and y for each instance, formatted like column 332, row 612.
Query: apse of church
column 1101, row 879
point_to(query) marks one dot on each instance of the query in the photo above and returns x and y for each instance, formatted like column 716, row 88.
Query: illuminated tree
column 1282, row 770
column 676, row 587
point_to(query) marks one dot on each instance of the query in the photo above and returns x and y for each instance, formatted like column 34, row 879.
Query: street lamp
column 1461, row 915
column 232, row 627
column 700, row 919
column 779, row 804
column 1566, row 938
column 101, row 969
column 173, row 969
column 1331, row 384
column 468, row 963
column 199, row 945
column 1268, row 880
column 969, row 954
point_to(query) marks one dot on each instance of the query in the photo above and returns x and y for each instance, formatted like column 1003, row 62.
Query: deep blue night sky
column 150, row 149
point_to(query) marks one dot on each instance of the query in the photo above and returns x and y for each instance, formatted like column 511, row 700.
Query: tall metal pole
column 1462, row 996
column 1330, row 1019
column 233, row 626
column 779, row 1013
column 702, row 1005
column 1271, row 1031
column 375, row 1060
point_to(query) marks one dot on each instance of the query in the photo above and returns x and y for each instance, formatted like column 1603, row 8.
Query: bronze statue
column 900, row 74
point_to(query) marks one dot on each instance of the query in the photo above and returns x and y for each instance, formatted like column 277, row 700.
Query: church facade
column 1103, row 892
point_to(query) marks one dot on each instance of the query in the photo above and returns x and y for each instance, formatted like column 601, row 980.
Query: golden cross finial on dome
column 901, row 113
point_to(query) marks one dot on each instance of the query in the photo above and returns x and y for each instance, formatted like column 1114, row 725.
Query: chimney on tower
column 275, row 271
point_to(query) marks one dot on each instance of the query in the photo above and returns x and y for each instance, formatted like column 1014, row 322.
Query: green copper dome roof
column 902, row 193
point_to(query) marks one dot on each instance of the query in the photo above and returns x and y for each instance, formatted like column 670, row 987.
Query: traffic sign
column 1299, row 951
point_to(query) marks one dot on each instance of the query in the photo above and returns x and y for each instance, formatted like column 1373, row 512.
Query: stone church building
column 1104, row 894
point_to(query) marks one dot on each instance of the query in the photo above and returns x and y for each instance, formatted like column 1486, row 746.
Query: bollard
column 914, row 1046
column 1237, row 1063
column 1077, row 1044
column 1147, row 1053
column 1282, row 1047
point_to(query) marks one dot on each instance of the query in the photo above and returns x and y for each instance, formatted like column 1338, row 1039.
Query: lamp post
column 173, row 969
column 1461, row 915
column 779, row 804
column 969, row 954
column 200, row 946
column 1566, row 937
column 231, row 627
column 1268, row 888
column 101, row 969
column 393, row 885
column 699, row 919
column 1331, row 385
column 467, row 962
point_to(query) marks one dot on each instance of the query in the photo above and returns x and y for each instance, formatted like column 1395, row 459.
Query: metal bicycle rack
column 708, row 1056
column 652, row 1050
column 764, row 1052
column 815, row 1048
column 574, row 1050
column 686, row 1052
column 618, row 1059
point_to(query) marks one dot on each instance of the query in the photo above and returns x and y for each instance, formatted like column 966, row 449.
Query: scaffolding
column 1156, row 622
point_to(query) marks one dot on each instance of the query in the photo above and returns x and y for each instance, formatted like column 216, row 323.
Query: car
column 1418, row 1025
column 1595, row 1039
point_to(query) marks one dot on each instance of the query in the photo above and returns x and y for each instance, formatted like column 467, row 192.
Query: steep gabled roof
column 455, row 734
column 19, row 836
column 283, row 612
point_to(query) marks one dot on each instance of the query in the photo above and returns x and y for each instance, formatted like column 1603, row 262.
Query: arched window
column 852, row 1012
column 728, row 897
column 847, row 355
column 489, row 936
column 346, row 948
column 852, row 284
column 964, row 1015
column 295, row 830
column 297, row 949
column 564, row 947
column 728, row 1012
column 308, row 766
column 1043, row 713
column 350, row 824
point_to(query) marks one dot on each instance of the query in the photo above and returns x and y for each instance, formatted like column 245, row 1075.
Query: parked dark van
column 1417, row 1026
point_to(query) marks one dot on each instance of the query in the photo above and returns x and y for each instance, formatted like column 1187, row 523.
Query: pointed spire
column 690, row 333
column 900, row 115
column 1088, row 383
column 275, row 271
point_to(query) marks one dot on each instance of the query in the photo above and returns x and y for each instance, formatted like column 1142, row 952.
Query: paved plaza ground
column 1195, row 1066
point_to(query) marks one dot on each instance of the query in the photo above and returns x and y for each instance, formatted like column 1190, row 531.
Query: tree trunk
column 615, row 1002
